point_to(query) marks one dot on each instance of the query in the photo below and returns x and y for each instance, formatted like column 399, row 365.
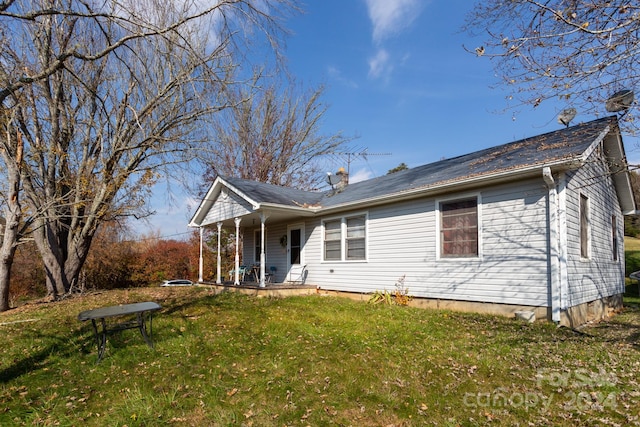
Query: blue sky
column 398, row 78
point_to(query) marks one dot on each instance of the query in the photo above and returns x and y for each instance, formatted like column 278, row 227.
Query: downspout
column 201, row 259
column 219, row 259
column 554, row 276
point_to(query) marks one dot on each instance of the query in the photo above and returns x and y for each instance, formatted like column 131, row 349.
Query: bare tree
column 11, row 153
column 107, row 94
column 576, row 51
column 272, row 134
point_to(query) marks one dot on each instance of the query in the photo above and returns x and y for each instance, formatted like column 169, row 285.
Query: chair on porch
column 242, row 271
column 271, row 274
column 298, row 274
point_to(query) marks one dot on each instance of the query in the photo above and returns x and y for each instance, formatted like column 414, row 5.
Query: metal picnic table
column 141, row 310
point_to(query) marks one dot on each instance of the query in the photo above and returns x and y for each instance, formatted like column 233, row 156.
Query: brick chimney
column 344, row 179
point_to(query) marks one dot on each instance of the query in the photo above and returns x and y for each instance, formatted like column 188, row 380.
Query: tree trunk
column 7, row 252
column 76, row 261
column 12, row 156
column 62, row 264
column 52, row 258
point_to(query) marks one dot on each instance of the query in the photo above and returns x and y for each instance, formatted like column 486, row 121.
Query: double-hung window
column 345, row 238
column 333, row 240
column 355, row 238
column 459, row 228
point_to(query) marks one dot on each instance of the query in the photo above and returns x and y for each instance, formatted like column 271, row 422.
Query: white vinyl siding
column 402, row 239
column 602, row 275
column 229, row 206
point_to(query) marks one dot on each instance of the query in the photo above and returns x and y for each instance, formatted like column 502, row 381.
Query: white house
column 533, row 225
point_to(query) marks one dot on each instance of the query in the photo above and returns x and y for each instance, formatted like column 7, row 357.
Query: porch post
column 219, row 269
column 201, row 260
column 237, row 265
column 263, row 258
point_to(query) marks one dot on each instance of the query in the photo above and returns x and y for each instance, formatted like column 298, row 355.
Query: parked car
column 177, row 282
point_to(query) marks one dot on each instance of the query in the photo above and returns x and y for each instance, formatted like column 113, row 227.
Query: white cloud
column 360, row 175
column 391, row 16
column 380, row 64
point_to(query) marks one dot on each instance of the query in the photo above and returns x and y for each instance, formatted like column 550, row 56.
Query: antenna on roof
column 355, row 154
column 620, row 101
column 566, row 115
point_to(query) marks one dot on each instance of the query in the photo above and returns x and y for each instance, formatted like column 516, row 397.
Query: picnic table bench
column 143, row 311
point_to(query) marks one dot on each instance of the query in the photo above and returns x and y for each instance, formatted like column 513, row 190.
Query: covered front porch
column 262, row 256
column 269, row 238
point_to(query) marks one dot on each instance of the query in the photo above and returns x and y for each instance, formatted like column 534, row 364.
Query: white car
column 177, row 282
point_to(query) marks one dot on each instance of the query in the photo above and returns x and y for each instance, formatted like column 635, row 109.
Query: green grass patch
column 632, row 263
column 229, row 359
column 631, row 243
column 632, row 254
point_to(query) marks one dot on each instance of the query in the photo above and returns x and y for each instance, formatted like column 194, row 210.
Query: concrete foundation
column 277, row 290
column 591, row 311
column 454, row 305
column 572, row 317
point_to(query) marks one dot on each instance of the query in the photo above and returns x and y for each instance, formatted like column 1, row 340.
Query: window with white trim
column 584, row 227
column 333, row 240
column 345, row 239
column 614, row 237
column 459, row 228
column 355, row 238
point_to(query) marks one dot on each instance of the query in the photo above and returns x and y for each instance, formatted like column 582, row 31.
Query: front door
column 295, row 246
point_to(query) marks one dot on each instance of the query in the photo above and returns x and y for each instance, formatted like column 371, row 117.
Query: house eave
column 617, row 156
column 281, row 210
column 271, row 212
column 199, row 217
column 303, row 211
column 205, row 204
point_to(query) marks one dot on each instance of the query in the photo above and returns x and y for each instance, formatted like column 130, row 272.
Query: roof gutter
column 274, row 207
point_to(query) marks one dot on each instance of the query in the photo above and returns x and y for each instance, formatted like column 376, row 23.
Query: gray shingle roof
column 269, row 193
column 565, row 144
